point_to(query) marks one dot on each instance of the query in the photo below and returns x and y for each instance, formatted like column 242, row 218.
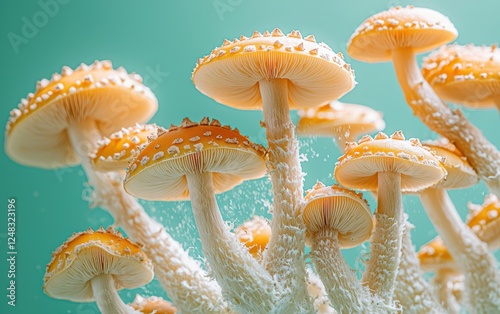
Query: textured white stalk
column 483, row 156
column 413, row 292
column 107, row 299
column 479, row 266
column 385, row 247
column 284, row 257
column 243, row 280
column 442, row 284
column 345, row 292
column 185, row 282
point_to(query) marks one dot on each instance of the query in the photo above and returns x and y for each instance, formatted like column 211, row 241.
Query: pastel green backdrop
column 161, row 40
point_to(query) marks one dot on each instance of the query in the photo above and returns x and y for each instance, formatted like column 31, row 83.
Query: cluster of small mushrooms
column 96, row 118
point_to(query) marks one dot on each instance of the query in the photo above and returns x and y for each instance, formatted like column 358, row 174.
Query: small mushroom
column 93, row 265
column 484, row 220
column 255, row 234
column 152, row 305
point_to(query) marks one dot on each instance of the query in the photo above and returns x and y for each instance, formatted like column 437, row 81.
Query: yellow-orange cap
column 158, row 171
column 484, row 220
column 435, row 256
column 152, row 305
column 91, row 253
column 255, row 234
column 358, row 167
column 231, row 73
column 36, row 131
column 115, row 152
column 337, row 118
column 335, row 208
column 460, row 173
column 467, row 75
column 417, row 28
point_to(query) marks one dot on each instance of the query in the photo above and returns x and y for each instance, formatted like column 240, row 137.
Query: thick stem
column 107, row 299
column 385, row 247
column 243, row 280
column 284, row 257
column 442, row 283
column 482, row 277
column 483, row 156
column 345, row 292
column 181, row 276
column 413, row 292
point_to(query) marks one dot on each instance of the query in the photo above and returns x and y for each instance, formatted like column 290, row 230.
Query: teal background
column 169, row 36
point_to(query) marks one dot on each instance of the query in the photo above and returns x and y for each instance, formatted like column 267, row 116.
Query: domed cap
column 435, row 256
column 255, row 234
column 91, row 253
column 36, row 131
column 359, row 166
column 484, row 220
column 418, row 28
column 467, row 75
column 153, row 305
column 158, row 172
column 336, row 117
column 115, row 152
column 335, row 208
column 231, row 73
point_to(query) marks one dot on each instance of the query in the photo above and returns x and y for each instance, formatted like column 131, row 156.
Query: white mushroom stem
column 243, row 280
column 482, row 277
column 413, row 292
column 181, row 276
column 442, row 285
column 345, row 292
column 284, row 257
column 482, row 155
column 107, row 299
column 385, row 247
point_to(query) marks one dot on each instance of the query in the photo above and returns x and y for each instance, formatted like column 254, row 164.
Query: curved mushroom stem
column 345, row 292
column 413, row 292
column 181, row 276
column 385, row 247
column 284, row 257
column 243, row 280
column 483, row 156
column 482, row 277
column 442, row 283
column 107, row 299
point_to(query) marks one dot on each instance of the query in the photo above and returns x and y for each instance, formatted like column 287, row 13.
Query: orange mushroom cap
column 36, row 131
column 315, row 74
column 153, row 305
column 484, row 220
column 435, row 256
column 158, row 171
column 467, row 75
column 418, row 28
column 255, row 234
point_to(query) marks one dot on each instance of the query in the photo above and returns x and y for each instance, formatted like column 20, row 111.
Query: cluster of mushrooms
column 96, row 118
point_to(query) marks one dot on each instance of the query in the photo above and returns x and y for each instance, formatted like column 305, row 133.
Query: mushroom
column 255, row 234
column 337, row 218
column 93, row 265
column 390, row 166
column 278, row 72
column 484, row 220
column 180, row 275
column 152, row 305
column 341, row 121
column 195, row 161
column 399, row 34
column 466, row 75
column 482, row 277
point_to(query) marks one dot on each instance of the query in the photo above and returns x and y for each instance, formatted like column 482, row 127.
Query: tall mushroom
column 341, row 121
column 389, row 166
column 195, row 161
column 93, row 265
column 278, row 72
column 400, row 33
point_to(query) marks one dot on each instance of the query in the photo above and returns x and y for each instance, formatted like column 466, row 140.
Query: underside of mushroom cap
column 231, row 73
column 91, row 253
column 158, row 172
column 342, row 210
column 409, row 27
column 468, row 75
column 359, row 166
column 36, row 133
